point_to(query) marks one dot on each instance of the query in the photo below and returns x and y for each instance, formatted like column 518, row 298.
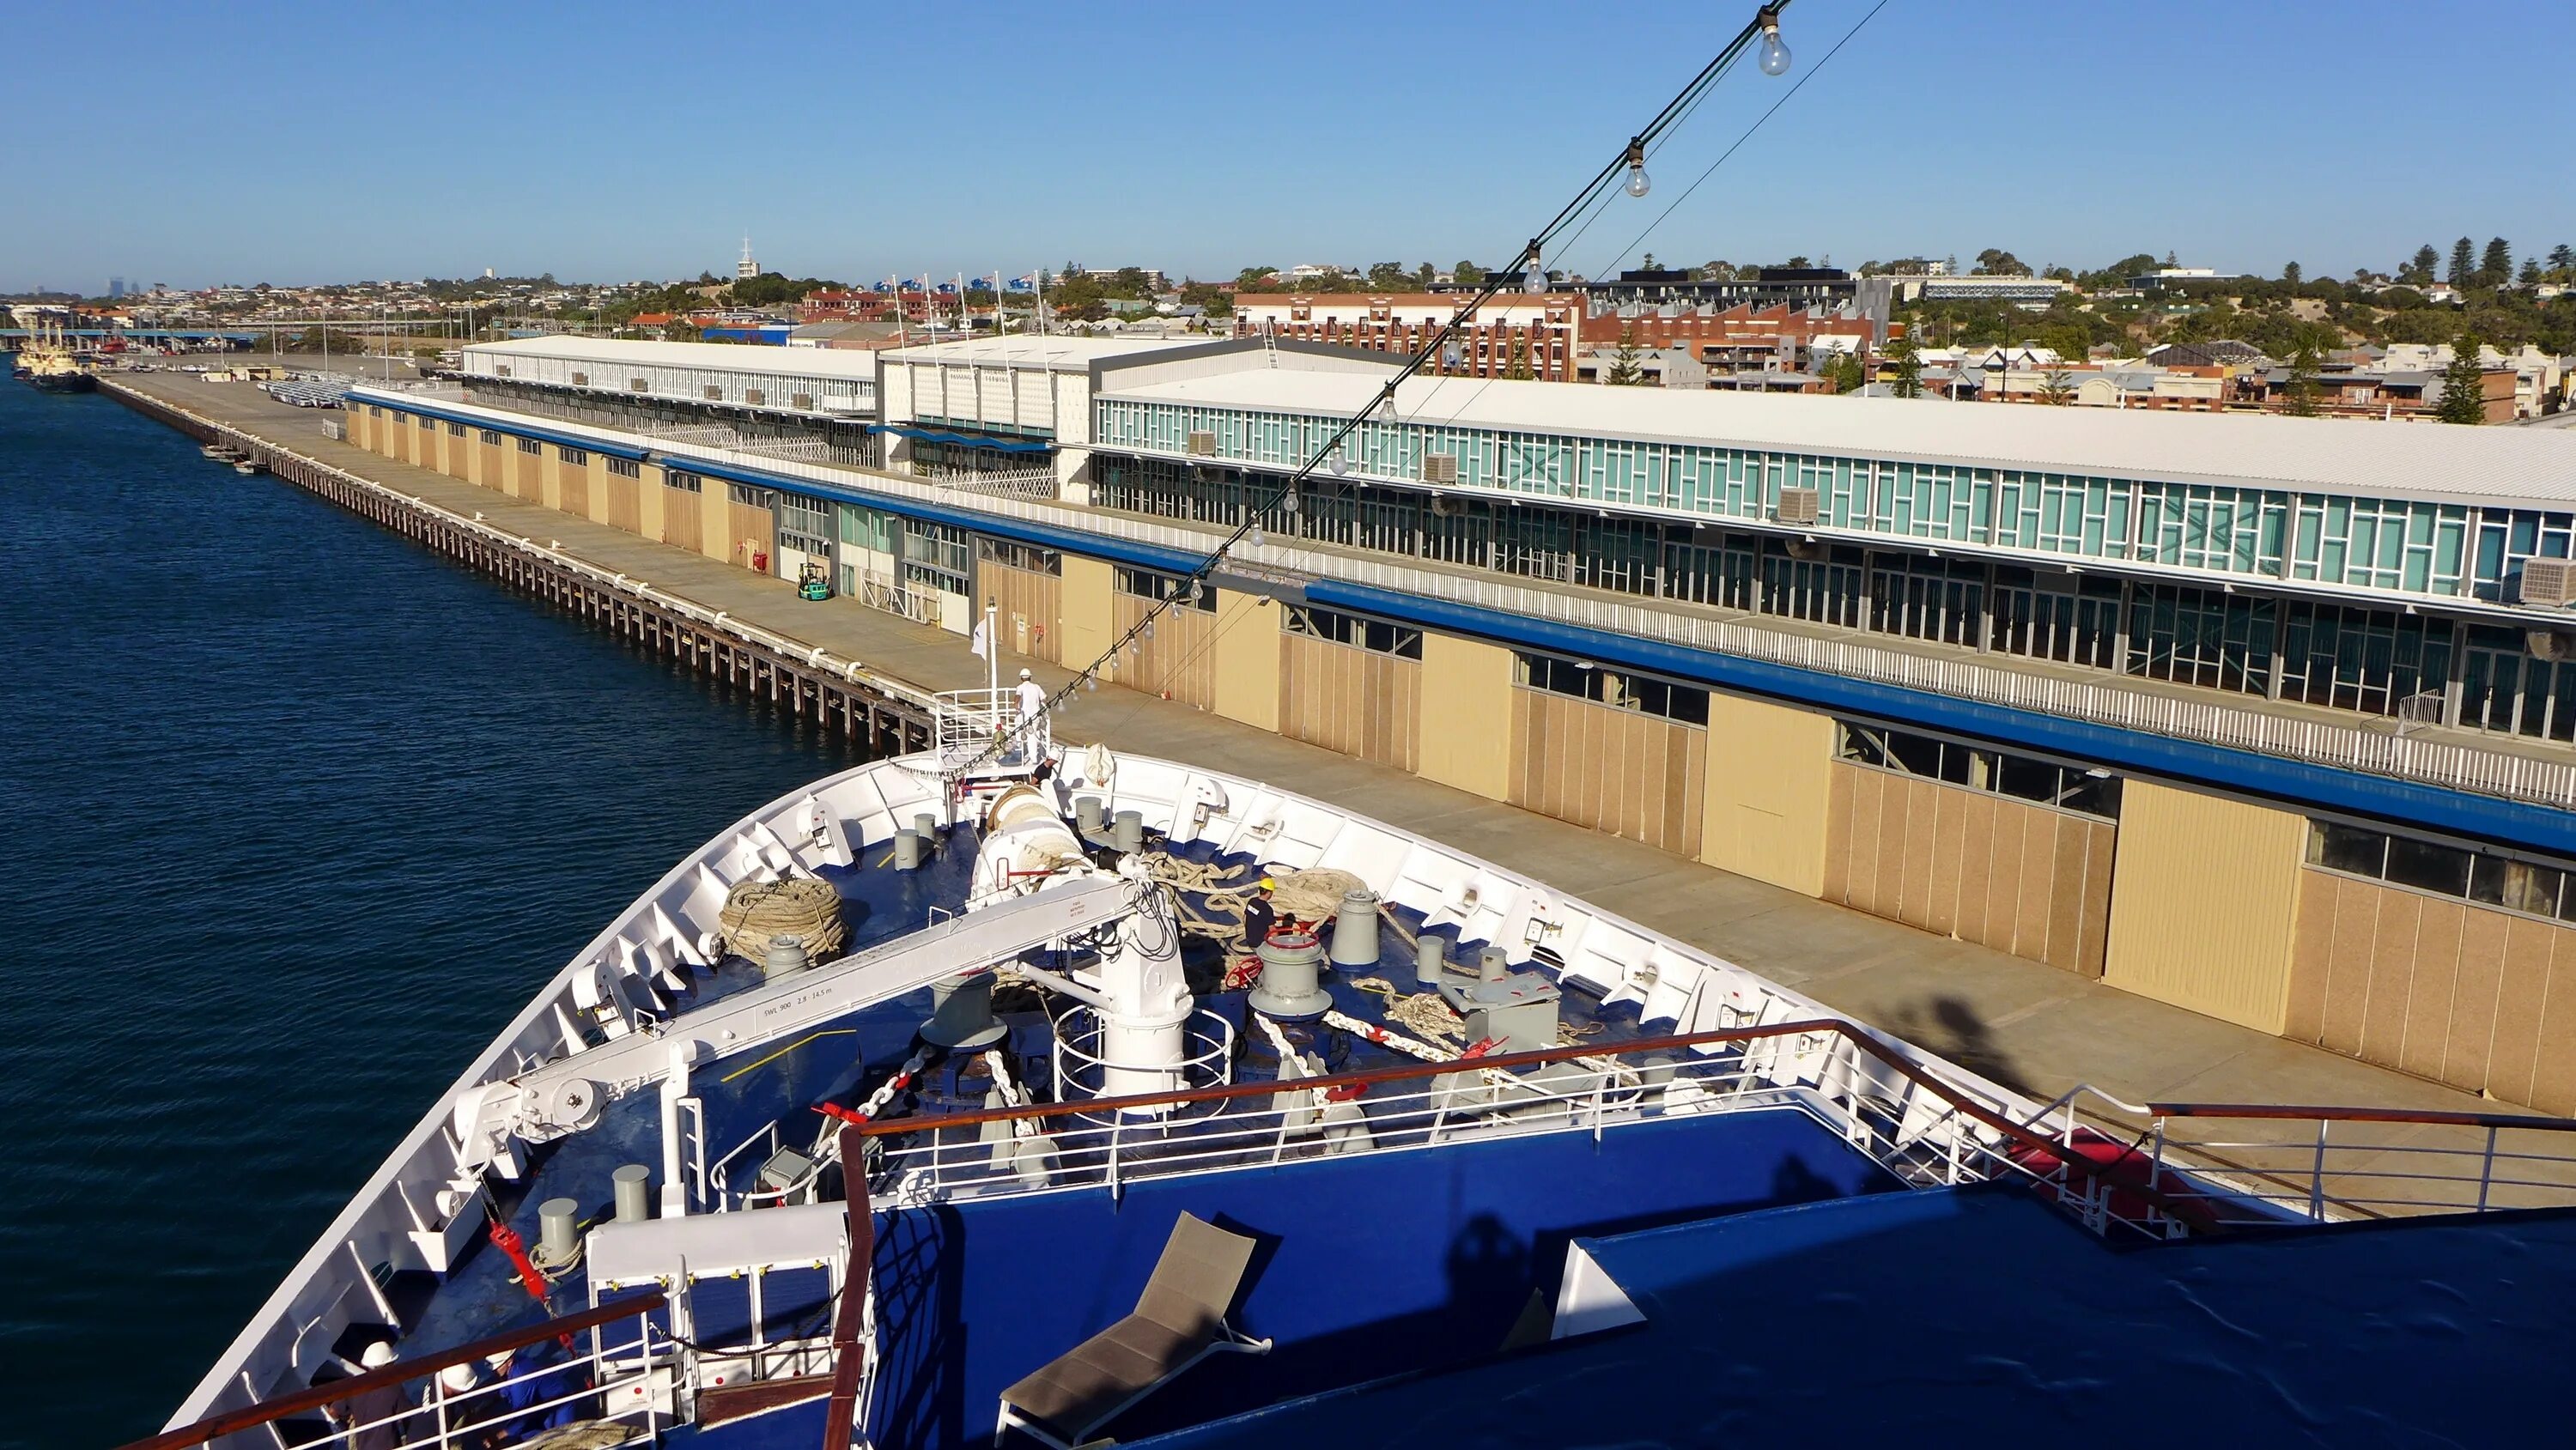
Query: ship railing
column 631, row 1379
column 2323, row 1164
column 1923, row 1128
column 969, row 723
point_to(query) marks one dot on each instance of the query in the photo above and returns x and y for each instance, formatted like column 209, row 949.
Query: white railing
column 879, row 591
column 2348, row 747
column 637, row 1385
column 2326, row 1164
column 1926, row 1132
column 1023, row 482
column 966, row 724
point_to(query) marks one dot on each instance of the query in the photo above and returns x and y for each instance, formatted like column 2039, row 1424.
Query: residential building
column 1514, row 333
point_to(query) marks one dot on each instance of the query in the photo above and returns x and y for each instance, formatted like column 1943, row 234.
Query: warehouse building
column 2264, row 717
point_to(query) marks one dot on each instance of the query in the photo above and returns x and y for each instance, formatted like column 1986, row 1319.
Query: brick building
column 1536, row 336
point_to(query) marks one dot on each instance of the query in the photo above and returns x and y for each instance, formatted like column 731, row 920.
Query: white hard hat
column 377, row 1355
column 500, row 1362
column 1024, row 674
column 458, row 1378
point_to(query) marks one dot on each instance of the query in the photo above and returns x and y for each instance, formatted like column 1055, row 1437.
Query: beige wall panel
column 1869, row 826
column 750, row 529
column 2553, row 1078
column 2204, row 895
column 2392, row 975
column 1464, row 702
column 1030, row 619
column 2348, row 953
column 572, row 487
column 2428, row 1000
column 2100, row 857
column 2066, row 895
column 2470, row 1041
column 652, row 506
column 1949, row 868
column 595, row 490
column 2519, row 1001
column 1767, row 782
column 1085, row 608
column 1838, row 835
column 1248, row 662
column 625, row 504
column 682, row 513
column 491, row 464
column 2311, row 951
column 1977, row 814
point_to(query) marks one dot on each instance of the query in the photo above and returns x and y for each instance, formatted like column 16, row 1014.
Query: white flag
column 983, row 642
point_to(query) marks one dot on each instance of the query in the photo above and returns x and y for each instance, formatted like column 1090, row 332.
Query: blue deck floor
column 1982, row 1317
column 1368, row 1266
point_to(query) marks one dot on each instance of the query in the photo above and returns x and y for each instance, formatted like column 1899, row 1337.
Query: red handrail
column 2435, row 1116
column 847, row 1357
column 315, row 1397
column 1858, row 1037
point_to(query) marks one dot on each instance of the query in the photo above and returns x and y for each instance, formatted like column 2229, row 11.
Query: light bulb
column 1091, row 683
column 1256, row 539
column 1638, row 183
column 1775, row 56
column 1149, row 629
column 1288, row 502
column 1534, row 279
column 1341, row 465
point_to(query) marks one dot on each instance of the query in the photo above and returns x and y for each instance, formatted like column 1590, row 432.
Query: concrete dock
column 2029, row 1025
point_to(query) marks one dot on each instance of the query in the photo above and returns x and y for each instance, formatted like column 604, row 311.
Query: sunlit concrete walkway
column 2019, row 1022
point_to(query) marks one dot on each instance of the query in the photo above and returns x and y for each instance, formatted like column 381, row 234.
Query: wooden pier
column 881, row 716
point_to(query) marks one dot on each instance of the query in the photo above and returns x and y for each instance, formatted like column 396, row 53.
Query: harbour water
column 295, row 817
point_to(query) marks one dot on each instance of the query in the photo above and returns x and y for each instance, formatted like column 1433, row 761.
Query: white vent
column 1797, row 505
column 754, row 396
column 1203, row 444
column 638, row 385
column 1439, row 468
column 581, row 380
column 2549, row 581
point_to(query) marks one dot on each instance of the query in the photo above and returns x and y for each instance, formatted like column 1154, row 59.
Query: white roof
column 2519, row 466
column 1060, row 354
column 703, row 356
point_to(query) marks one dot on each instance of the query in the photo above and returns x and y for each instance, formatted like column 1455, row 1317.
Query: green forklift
column 816, row 583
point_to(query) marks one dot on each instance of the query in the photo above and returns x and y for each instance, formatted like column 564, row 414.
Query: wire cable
column 1380, row 406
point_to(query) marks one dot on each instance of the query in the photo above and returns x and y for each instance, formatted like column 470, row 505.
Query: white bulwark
column 813, row 382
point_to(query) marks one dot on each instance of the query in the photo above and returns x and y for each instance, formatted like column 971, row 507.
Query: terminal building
column 2265, row 717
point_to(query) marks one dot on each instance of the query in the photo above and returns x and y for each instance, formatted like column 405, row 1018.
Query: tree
column 1468, row 274
column 2562, row 258
column 1255, row 276
column 2463, row 384
column 2530, row 273
column 1714, row 272
column 1425, row 275
column 1906, row 362
column 1517, row 365
column 2290, row 273
column 1845, row 372
column 2464, row 263
column 2299, row 399
column 1624, row 371
column 2496, row 268
column 2419, row 272
column 1387, row 277
column 2056, row 387
column 1647, row 262
column 1996, row 262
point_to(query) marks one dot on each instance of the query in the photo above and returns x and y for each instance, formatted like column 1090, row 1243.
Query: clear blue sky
column 304, row 142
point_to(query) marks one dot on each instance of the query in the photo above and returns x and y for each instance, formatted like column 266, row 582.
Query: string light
column 1775, row 56
column 1638, row 182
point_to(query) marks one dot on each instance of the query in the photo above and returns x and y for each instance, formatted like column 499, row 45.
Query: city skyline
column 2192, row 137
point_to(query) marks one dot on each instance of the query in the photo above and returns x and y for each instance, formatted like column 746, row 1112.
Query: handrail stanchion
column 2486, row 1167
column 2317, row 1180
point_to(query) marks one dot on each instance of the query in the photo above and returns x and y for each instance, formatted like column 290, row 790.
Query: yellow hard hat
column 1267, row 883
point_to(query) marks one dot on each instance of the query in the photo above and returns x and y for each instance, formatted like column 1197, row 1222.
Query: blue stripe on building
column 2297, row 785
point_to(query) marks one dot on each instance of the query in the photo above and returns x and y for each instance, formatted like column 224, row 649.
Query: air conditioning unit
column 500, row 370
column 581, row 380
column 1439, row 468
column 638, row 385
column 2550, row 582
column 804, row 401
column 754, row 396
column 1203, row 444
column 1797, row 506
column 714, row 394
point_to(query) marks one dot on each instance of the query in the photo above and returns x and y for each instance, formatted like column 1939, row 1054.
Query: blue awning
column 964, row 440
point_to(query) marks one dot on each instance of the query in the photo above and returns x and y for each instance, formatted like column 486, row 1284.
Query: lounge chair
column 1180, row 1319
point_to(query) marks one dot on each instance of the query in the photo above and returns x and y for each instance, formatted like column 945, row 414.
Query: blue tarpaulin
column 966, row 440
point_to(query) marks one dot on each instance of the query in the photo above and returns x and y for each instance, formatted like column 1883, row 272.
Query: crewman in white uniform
column 1033, row 721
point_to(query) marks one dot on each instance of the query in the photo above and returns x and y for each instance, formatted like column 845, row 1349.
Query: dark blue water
column 293, row 817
